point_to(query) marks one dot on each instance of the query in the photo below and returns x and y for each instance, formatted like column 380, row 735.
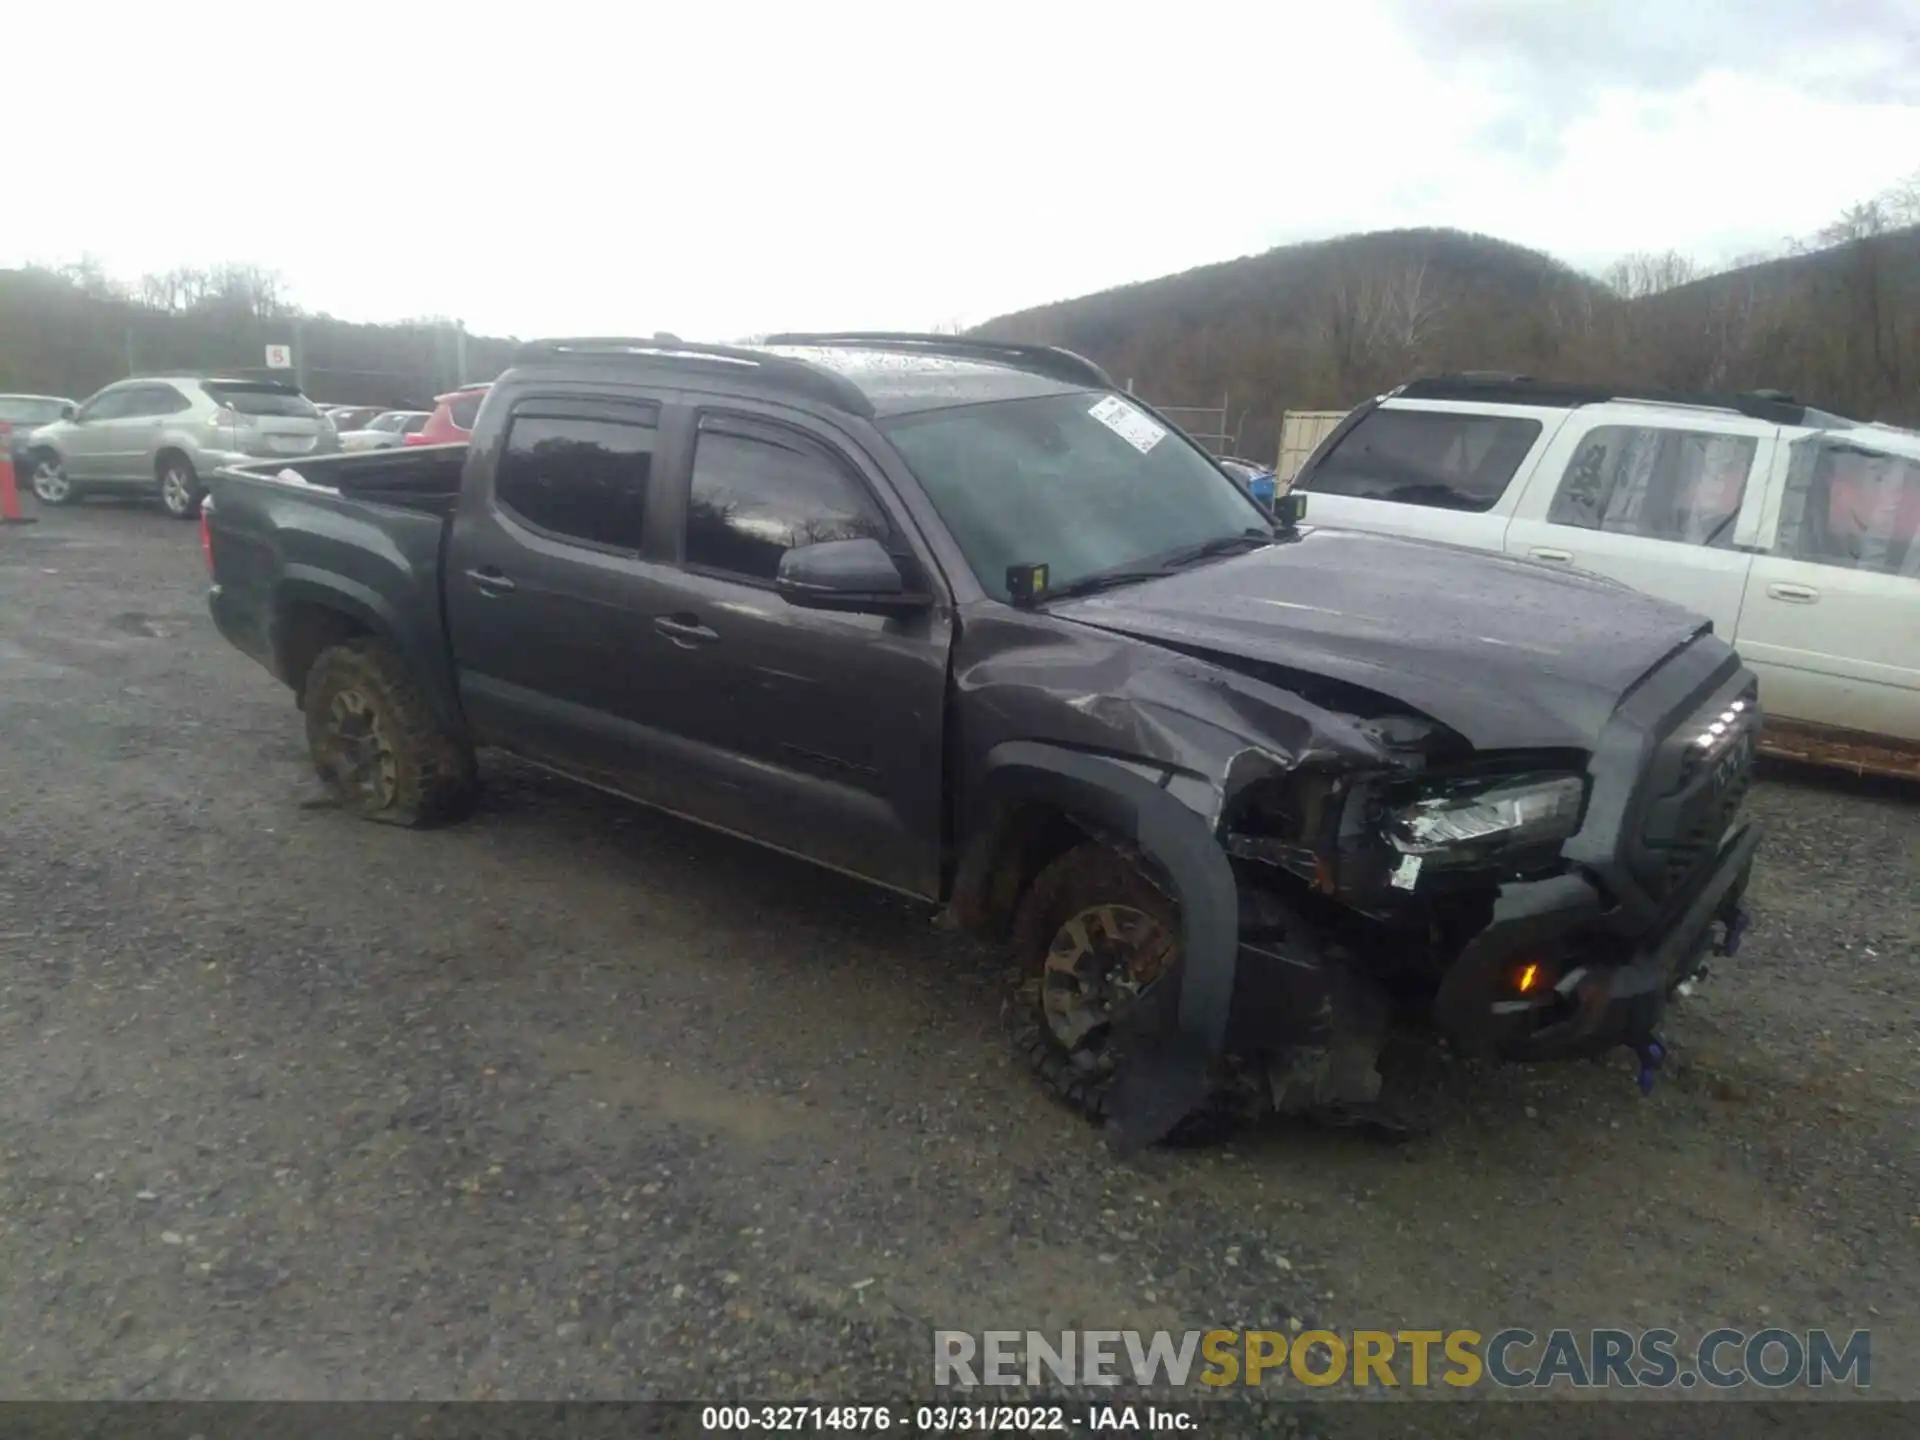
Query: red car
column 452, row 418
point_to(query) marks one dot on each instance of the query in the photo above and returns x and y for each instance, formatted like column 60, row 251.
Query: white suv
column 1793, row 530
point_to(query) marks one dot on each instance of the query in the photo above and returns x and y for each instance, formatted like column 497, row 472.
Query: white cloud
column 725, row 169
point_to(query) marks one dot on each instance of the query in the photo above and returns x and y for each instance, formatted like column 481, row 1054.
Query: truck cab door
column 547, row 572
column 817, row 732
column 1664, row 504
column 1831, row 623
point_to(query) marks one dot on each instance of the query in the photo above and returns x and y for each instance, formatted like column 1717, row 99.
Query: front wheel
column 180, row 492
column 1096, row 950
column 1091, row 936
column 49, row 482
column 375, row 743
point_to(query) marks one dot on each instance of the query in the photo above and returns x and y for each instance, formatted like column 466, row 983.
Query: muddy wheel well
column 305, row 630
column 1015, row 844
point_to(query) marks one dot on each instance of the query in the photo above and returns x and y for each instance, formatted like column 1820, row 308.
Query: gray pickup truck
column 960, row 619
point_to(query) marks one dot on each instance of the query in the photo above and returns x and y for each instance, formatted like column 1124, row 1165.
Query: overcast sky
column 718, row 169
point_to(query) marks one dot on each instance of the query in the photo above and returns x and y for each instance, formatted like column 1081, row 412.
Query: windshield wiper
column 1247, row 539
column 1104, row 580
column 1161, row 567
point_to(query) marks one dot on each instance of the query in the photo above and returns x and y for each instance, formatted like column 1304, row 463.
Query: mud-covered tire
column 1086, row 877
column 419, row 775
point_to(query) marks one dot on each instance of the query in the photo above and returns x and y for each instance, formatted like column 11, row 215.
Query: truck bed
column 422, row 477
column 358, row 534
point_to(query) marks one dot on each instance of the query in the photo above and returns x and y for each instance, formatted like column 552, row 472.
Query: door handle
column 1561, row 555
column 490, row 581
column 1795, row 594
column 686, row 631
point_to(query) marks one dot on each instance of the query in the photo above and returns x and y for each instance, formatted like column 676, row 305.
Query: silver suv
column 164, row 434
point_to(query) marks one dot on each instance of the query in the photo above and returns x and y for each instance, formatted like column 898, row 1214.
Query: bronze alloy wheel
column 1100, row 960
column 356, row 753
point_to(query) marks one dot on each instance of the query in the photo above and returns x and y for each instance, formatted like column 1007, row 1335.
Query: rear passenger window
column 578, row 477
column 1851, row 507
column 1681, row 485
column 759, row 490
column 144, row 401
column 1434, row 458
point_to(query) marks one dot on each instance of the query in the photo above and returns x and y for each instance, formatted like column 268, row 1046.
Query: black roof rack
column 1048, row 360
column 1772, row 406
column 815, row 381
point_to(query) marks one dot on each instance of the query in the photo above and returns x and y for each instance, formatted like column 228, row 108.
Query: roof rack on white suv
column 1775, row 406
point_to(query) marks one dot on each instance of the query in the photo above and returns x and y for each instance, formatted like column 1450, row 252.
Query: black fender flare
column 303, row 585
column 1168, row 1076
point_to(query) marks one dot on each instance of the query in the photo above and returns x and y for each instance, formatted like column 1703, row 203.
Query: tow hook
column 1650, row 1053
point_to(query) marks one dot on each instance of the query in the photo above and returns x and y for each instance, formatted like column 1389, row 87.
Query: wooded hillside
column 72, row 330
column 1836, row 321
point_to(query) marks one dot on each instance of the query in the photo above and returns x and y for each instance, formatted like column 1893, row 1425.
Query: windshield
column 262, row 399
column 1080, row 483
column 29, row 410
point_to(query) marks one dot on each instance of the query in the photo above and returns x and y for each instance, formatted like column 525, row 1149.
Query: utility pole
column 299, row 354
column 459, row 353
column 132, row 369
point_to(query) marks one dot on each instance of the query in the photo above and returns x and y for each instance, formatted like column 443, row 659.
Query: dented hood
column 1508, row 653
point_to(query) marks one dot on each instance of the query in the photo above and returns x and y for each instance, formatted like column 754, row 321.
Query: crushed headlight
column 1515, row 811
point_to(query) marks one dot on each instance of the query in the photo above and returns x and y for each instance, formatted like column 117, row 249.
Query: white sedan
column 385, row 431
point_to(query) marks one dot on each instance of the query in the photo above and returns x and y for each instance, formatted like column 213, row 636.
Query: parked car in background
column 1792, row 529
column 385, row 431
column 452, row 418
column 20, row 416
column 346, row 418
column 963, row 620
column 162, row 434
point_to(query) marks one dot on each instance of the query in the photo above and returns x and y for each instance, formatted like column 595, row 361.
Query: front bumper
column 1606, row 990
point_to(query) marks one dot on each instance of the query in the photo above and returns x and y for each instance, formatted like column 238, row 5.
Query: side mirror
column 851, row 575
column 67, row 412
column 1290, row 509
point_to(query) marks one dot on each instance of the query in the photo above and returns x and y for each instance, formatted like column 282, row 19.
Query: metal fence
column 1209, row 424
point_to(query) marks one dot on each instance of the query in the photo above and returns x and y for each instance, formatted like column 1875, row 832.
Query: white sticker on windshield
column 1407, row 873
column 1128, row 423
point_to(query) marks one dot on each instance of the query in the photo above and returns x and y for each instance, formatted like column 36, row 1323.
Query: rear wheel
column 375, row 743
column 49, row 482
column 180, row 492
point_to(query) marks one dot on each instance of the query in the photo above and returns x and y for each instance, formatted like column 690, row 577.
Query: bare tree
column 1902, row 201
column 1642, row 273
column 1858, row 222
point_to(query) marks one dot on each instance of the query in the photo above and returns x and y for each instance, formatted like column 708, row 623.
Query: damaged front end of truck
column 1347, row 862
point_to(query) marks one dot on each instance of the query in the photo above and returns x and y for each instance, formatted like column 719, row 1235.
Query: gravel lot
column 574, row 1100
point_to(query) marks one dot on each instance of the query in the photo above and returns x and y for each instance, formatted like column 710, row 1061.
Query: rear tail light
column 6, row 427
column 206, row 539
